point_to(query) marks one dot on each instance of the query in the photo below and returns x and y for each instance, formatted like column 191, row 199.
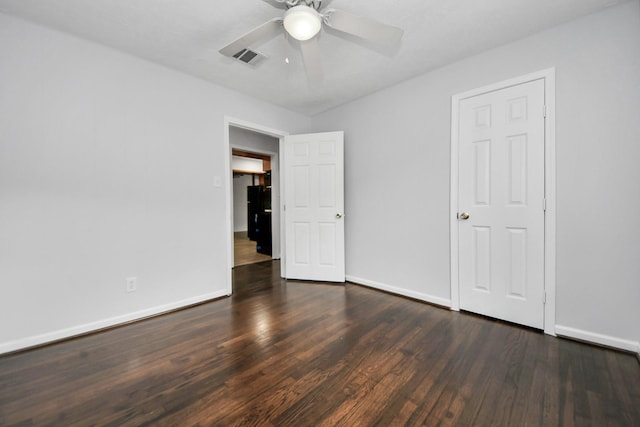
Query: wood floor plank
column 290, row 353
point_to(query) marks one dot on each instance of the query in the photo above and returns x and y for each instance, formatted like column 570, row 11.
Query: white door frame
column 243, row 124
column 548, row 76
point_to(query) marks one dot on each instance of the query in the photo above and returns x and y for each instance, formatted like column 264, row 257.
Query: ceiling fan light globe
column 302, row 22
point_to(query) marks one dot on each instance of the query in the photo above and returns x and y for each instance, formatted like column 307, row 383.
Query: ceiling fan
column 303, row 20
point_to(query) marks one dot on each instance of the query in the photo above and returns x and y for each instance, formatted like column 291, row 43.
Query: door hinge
column 544, row 111
column 544, row 297
column 544, row 205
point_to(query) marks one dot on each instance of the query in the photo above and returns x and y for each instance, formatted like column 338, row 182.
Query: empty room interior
column 319, row 212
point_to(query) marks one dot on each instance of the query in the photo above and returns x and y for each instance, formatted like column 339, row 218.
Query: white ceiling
column 187, row 34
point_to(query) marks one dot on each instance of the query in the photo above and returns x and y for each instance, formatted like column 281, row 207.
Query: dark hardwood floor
column 285, row 353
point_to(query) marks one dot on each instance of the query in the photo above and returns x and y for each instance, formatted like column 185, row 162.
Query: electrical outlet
column 132, row 284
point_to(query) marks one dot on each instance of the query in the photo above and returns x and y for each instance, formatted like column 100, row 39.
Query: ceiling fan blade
column 325, row 3
column 312, row 60
column 258, row 35
column 365, row 28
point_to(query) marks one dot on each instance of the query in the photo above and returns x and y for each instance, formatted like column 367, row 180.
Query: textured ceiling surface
column 187, row 34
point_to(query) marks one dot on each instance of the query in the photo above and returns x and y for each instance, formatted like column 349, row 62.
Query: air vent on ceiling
column 249, row 56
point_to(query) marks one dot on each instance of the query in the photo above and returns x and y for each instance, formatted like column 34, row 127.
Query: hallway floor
column 244, row 250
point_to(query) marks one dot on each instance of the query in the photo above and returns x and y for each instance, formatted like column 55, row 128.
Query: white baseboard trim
column 61, row 334
column 445, row 302
column 592, row 337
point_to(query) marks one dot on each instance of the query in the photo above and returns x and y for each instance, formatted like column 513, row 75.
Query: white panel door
column 314, row 206
column 501, row 204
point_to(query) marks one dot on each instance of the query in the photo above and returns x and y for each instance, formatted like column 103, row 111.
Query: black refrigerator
column 259, row 217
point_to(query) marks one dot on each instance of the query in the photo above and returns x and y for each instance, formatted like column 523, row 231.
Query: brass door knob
column 339, row 215
column 464, row 215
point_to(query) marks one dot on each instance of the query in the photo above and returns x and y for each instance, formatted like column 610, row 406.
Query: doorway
column 233, row 127
column 324, row 247
column 503, row 201
column 254, row 156
column 252, row 188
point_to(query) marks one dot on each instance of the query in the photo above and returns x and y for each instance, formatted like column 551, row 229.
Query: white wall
column 240, row 219
column 397, row 221
column 252, row 140
column 107, row 170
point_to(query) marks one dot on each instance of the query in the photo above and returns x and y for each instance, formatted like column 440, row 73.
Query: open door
column 314, row 206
